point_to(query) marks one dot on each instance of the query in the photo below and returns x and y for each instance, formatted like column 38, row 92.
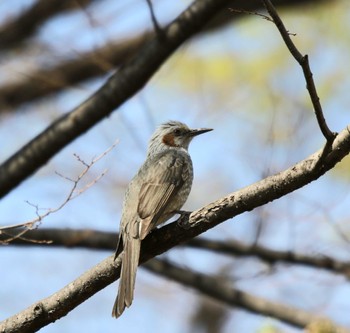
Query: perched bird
column 155, row 194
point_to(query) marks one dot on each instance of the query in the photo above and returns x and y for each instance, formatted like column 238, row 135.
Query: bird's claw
column 183, row 220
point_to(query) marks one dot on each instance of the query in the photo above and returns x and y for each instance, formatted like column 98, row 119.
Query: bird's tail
column 130, row 262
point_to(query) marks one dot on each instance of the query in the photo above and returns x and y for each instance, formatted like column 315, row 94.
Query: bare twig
column 73, row 193
column 243, row 11
column 304, row 63
column 156, row 25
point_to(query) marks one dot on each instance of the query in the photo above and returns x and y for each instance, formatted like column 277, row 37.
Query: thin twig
column 73, row 193
column 304, row 63
column 156, row 25
column 248, row 12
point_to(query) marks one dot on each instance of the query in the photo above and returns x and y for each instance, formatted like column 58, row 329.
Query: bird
column 155, row 194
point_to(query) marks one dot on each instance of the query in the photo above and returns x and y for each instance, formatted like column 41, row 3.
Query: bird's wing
column 164, row 177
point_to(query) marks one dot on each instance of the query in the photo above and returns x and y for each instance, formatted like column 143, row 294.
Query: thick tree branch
column 119, row 88
column 304, row 63
column 58, row 305
column 222, row 290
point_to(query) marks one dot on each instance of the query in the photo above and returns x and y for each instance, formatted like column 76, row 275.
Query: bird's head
column 173, row 134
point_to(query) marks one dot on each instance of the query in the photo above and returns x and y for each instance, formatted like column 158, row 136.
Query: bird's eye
column 177, row 131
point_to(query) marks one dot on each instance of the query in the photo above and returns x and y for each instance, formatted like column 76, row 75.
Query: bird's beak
column 197, row 131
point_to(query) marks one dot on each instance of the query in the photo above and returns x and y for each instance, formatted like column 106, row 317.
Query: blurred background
column 237, row 77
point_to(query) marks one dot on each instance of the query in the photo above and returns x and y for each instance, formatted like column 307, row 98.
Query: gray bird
column 154, row 195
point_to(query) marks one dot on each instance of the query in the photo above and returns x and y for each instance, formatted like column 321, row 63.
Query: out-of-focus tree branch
column 101, row 240
column 26, row 24
column 235, row 247
column 222, row 290
column 92, row 64
column 209, row 315
column 70, row 72
column 53, row 237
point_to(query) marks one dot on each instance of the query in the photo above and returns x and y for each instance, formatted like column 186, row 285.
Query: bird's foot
column 183, row 220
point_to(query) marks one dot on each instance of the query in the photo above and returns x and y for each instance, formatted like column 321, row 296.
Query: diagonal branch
column 223, row 291
column 118, row 89
column 68, row 73
column 62, row 302
column 304, row 63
